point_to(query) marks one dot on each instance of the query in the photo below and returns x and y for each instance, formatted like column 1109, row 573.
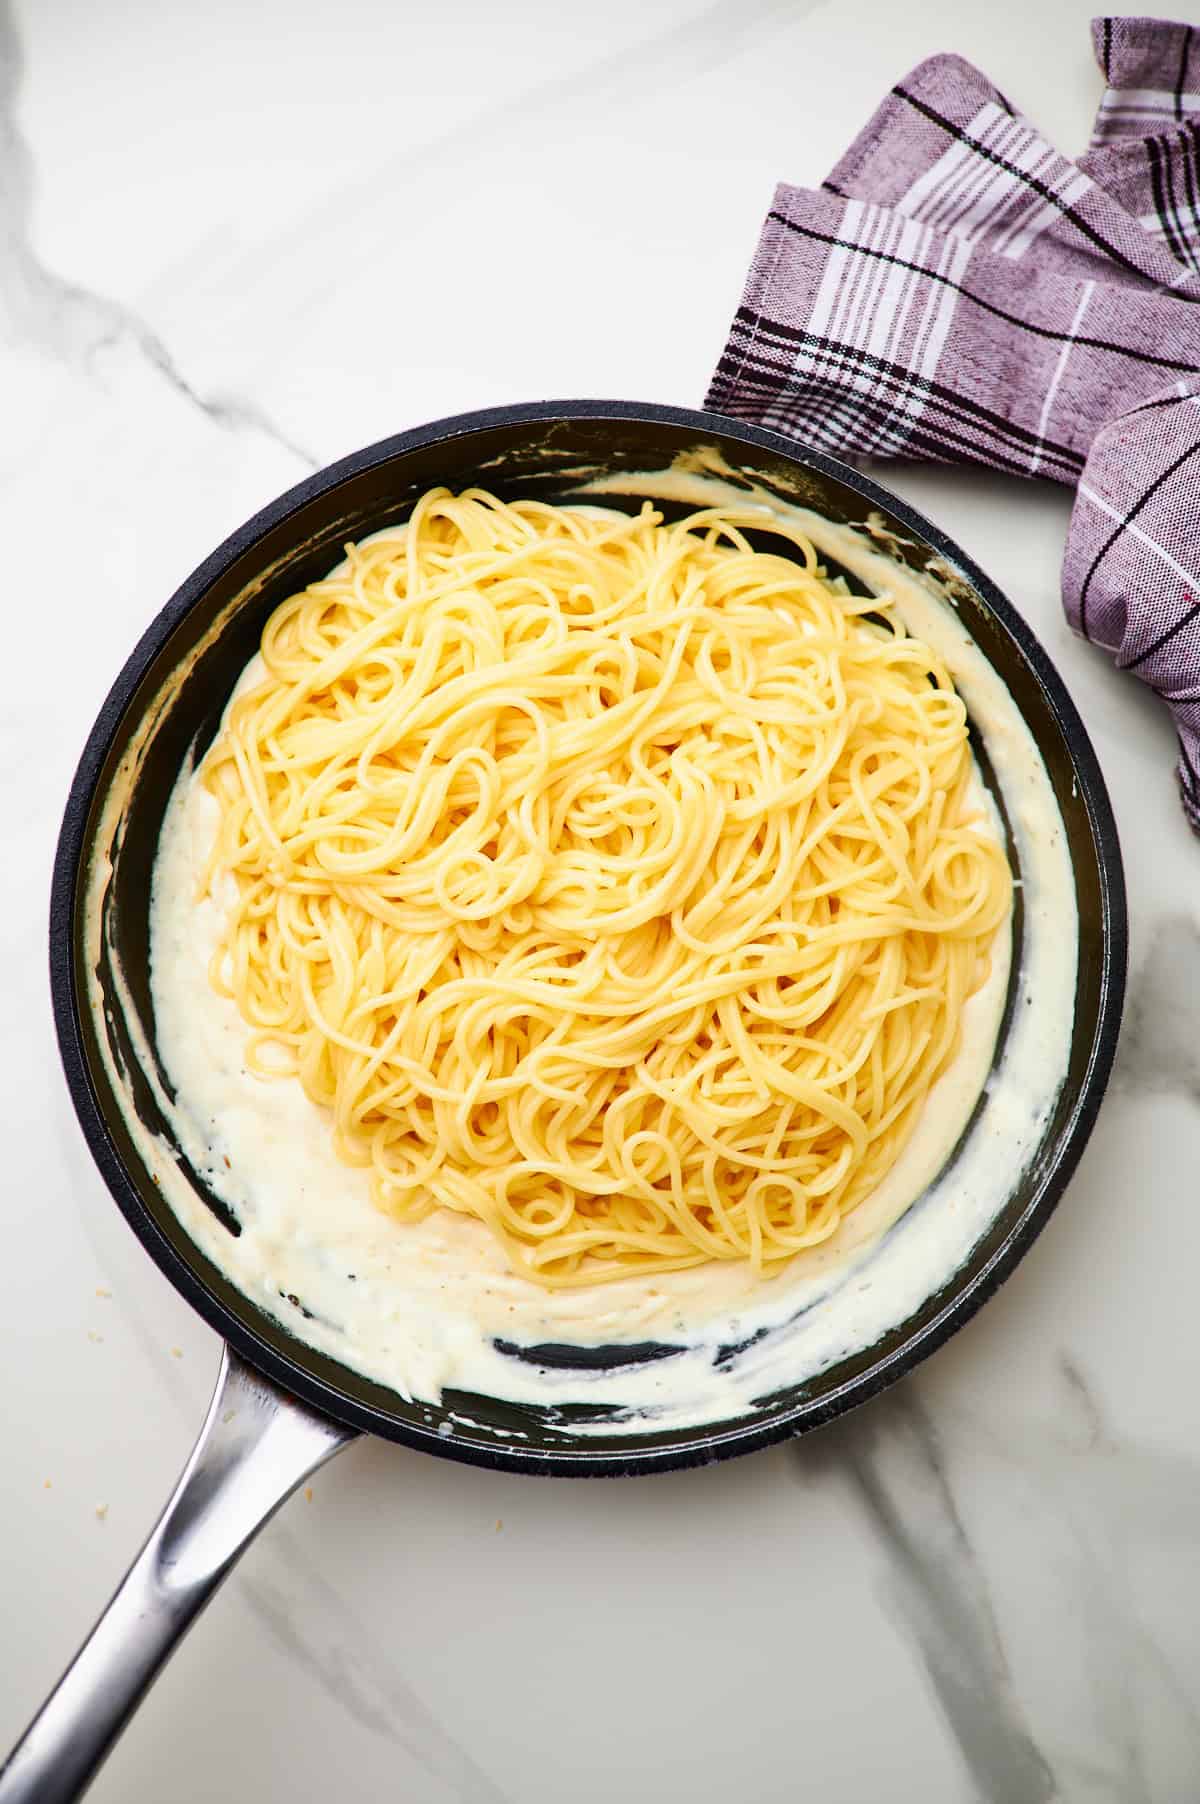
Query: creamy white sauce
column 421, row 1307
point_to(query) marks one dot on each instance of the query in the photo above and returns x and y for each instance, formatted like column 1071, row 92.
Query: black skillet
column 281, row 1408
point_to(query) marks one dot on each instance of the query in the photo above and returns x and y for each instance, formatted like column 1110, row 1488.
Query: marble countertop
column 235, row 243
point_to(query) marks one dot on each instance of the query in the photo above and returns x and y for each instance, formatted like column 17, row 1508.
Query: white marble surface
column 237, row 241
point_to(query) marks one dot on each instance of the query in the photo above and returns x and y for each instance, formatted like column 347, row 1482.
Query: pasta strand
column 605, row 878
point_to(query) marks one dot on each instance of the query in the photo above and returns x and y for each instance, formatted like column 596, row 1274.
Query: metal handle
column 256, row 1446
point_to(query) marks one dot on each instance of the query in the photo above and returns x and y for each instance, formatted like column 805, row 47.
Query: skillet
column 281, row 1408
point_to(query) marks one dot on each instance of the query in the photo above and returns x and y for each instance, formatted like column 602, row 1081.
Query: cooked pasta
column 611, row 880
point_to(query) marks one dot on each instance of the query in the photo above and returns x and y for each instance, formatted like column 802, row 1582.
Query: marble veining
column 1123, row 1663
column 936, row 1585
column 312, row 1624
column 235, row 244
column 1160, row 1044
column 63, row 317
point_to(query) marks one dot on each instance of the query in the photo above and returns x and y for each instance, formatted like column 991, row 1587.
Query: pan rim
column 698, row 1445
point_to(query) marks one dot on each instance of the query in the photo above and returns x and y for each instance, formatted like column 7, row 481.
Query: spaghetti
column 610, row 880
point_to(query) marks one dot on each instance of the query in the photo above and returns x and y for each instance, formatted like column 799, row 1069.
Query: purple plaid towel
column 957, row 290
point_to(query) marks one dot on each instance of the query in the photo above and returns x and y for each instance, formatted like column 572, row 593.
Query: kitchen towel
column 958, row 290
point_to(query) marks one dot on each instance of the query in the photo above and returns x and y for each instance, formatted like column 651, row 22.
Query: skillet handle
column 256, row 1446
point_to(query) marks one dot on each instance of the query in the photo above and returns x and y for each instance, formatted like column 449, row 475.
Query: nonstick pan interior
column 169, row 699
